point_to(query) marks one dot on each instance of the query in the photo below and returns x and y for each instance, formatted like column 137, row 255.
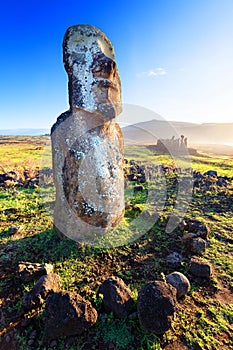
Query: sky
column 175, row 57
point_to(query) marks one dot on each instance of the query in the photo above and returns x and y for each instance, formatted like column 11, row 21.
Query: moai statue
column 186, row 142
column 87, row 144
column 182, row 141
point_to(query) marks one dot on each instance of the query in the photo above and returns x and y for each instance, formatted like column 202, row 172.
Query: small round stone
column 180, row 282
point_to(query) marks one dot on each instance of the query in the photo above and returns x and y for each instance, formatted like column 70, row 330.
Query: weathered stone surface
column 67, row 314
column 187, row 240
column 89, row 60
column 87, row 144
column 116, row 296
column 197, row 227
column 200, row 268
column 180, row 282
column 194, row 244
column 46, row 285
column 28, row 271
column 16, row 179
column 156, row 306
column 198, row 246
column 174, row 260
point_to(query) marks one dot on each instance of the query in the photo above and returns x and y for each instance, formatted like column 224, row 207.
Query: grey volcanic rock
column 29, row 271
column 200, row 268
column 174, row 260
column 194, row 244
column 156, row 306
column 46, row 285
column 117, row 296
column 180, row 282
column 67, row 314
column 187, row 241
column 198, row 246
column 197, row 227
column 87, row 144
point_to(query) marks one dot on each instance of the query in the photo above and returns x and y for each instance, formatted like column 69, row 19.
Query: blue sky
column 175, row 57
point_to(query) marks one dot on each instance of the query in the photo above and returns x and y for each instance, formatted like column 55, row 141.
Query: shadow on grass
column 42, row 247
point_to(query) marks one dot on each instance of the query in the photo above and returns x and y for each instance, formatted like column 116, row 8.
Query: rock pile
column 25, row 179
column 66, row 313
column 210, row 179
column 18, row 179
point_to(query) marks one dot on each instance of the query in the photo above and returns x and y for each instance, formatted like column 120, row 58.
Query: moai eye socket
column 103, row 64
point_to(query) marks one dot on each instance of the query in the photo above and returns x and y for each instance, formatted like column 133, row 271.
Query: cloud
column 157, row 71
column 153, row 73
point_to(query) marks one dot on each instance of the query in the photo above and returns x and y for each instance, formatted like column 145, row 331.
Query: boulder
column 180, row 282
column 28, row 271
column 117, row 296
column 198, row 245
column 67, row 314
column 187, row 240
column 194, row 244
column 46, row 285
column 200, row 268
column 197, row 227
column 156, row 306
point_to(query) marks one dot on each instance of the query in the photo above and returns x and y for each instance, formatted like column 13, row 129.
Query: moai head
column 94, row 82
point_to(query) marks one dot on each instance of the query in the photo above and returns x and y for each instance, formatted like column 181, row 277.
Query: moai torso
column 87, row 144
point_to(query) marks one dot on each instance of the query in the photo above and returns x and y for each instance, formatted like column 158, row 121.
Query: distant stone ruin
column 176, row 146
column 87, row 144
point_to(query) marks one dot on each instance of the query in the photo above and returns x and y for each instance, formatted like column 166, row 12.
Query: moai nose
column 103, row 65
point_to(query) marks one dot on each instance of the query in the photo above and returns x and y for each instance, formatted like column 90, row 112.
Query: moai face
column 94, row 82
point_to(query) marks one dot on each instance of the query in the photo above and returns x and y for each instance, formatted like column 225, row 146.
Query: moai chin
column 87, row 144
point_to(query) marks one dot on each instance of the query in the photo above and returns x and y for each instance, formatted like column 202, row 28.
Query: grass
column 204, row 318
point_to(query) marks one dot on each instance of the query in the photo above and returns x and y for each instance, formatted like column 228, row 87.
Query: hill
column 207, row 133
column 24, row 132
